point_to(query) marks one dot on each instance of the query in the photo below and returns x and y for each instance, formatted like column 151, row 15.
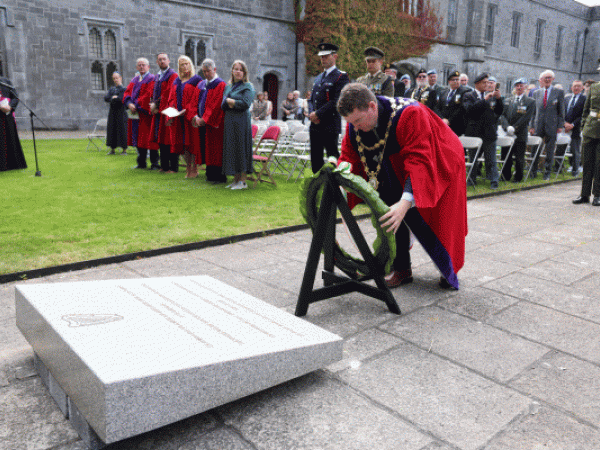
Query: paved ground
column 509, row 362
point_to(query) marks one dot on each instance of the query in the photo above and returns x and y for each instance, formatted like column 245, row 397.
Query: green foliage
column 357, row 24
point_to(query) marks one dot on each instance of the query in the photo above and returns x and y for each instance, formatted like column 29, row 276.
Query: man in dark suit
column 483, row 110
column 452, row 108
column 574, row 103
column 515, row 119
column 423, row 93
column 549, row 118
column 326, row 123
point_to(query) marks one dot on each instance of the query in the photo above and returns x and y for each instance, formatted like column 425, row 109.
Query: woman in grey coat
column 237, row 139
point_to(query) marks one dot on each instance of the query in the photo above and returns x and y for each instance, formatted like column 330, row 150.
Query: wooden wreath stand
column 324, row 240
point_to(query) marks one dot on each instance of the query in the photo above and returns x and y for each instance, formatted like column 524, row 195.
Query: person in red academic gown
column 139, row 131
column 184, row 138
column 208, row 116
column 418, row 170
column 169, row 162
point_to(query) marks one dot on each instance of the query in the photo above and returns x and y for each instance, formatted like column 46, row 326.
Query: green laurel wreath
column 384, row 246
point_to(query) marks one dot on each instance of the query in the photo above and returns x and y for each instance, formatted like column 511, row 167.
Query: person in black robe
column 11, row 153
column 116, row 128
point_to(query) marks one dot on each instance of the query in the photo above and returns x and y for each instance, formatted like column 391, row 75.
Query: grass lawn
column 89, row 205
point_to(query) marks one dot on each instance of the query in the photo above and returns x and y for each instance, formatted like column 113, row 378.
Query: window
column 448, row 69
column 195, row 49
column 470, row 21
column 509, row 86
column 489, row 23
column 103, row 55
column 577, row 46
column 559, row 38
column 516, row 30
column 412, row 7
column 452, row 20
column 539, row 37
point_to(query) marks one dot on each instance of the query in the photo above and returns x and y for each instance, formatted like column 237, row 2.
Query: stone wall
column 47, row 46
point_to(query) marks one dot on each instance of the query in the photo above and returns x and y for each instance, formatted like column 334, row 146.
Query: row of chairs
column 535, row 147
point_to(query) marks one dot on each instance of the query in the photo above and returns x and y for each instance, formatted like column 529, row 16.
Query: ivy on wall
column 357, row 24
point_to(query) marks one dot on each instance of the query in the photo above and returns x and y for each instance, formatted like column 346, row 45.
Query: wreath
column 384, row 246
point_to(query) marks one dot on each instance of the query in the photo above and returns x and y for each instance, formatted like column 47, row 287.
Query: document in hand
column 4, row 103
column 132, row 115
column 171, row 112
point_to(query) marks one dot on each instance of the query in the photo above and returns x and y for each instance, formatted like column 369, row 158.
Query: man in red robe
column 208, row 116
column 169, row 162
column 417, row 165
column 137, row 98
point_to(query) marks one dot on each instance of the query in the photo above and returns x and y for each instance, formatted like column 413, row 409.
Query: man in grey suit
column 515, row 119
column 549, row 118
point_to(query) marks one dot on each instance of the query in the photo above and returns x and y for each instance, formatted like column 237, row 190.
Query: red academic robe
column 183, row 135
column 139, row 131
column 431, row 154
column 161, row 133
column 214, row 116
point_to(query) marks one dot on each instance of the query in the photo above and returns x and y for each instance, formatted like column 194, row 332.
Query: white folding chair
column 534, row 148
column 98, row 133
column 562, row 141
column 301, row 145
column 503, row 142
column 471, row 144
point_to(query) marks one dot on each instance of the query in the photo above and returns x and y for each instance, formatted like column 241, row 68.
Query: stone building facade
column 515, row 38
column 60, row 54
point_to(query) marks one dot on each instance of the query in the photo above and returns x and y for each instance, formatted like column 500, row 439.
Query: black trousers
column 518, row 155
column 402, row 260
column 168, row 160
column 319, row 141
column 591, row 167
column 141, row 158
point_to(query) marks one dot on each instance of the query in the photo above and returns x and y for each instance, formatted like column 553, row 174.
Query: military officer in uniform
column 452, row 108
column 399, row 86
column 326, row 123
column 518, row 112
column 591, row 147
column 405, row 79
column 423, row 93
column 432, row 80
column 377, row 81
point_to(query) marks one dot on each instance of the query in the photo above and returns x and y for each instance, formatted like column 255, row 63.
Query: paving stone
column 505, row 226
column 522, row 252
column 553, row 328
column 479, row 303
column 480, row 270
column 30, row 418
column 581, row 259
column 109, row 272
column 476, row 345
column 363, row 346
column 348, row 314
column 3, row 378
column 571, row 300
column 285, row 275
column 240, row 258
column 546, row 430
column 559, row 272
column 297, row 249
column 592, row 247
column 220, row 439
column 12, row 341
column 477, row 239
column 315, row 412
column 171, row 265
column 572, row 234
column 591, row 283
column 566, row 383
column 454, row 404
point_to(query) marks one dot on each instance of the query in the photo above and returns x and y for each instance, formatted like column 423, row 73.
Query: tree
column 401, row 28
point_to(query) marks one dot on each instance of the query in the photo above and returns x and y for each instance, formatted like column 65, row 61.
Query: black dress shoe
column 139, row 167
column 596, row 201
column 154, row 167
column 582, row 199
column 444, row 284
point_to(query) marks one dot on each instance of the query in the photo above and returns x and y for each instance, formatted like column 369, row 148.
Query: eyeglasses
column 422, row 76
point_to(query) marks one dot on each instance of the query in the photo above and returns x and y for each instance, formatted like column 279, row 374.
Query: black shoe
column 444, row 284
column 547, row 177
column 154, row 167
column 139, row 167
column 582, row 199
column 596, row 201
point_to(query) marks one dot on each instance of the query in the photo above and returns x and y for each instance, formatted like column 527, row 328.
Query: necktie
column 572, row 103
column 450, row 95
column 545, row 97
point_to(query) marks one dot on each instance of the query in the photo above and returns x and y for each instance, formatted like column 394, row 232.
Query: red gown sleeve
column 213, row 113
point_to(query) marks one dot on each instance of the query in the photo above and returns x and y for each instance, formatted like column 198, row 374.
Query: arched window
column 196, row 48
column 111, row 67
column 200, row 52
column 97, row 76
column 103, row 53
column 110, row 45
column 189, row 49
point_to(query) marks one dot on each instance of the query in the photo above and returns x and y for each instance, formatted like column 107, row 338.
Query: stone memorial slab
column 135, row 355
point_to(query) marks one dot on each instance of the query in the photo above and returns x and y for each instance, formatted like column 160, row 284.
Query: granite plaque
column 134, row 355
